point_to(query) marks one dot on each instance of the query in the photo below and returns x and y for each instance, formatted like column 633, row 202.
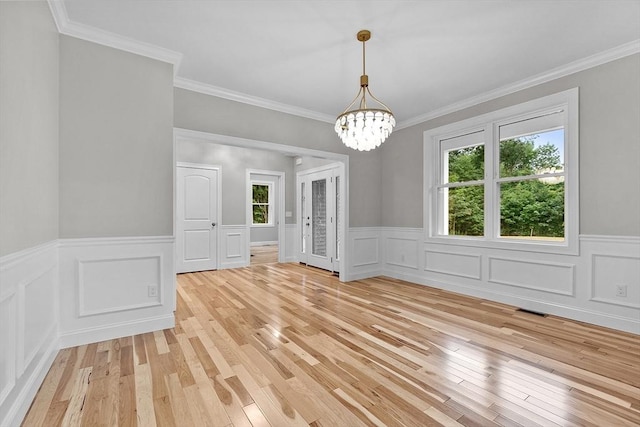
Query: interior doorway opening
column 234, row 241
column 265, row 203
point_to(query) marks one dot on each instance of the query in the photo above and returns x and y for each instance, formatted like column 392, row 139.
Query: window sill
column 565, row 247
column 261, row 225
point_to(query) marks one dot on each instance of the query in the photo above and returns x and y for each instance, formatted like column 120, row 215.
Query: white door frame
column 218, row 169
column 181, row 134
column 281, row 217
column 338, row 170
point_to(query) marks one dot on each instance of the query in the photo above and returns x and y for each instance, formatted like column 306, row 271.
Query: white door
column 196, row 216
column 317, row 233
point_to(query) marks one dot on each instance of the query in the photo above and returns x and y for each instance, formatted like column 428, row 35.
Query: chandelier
column 364, row 128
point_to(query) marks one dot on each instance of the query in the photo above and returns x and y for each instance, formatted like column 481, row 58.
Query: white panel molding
column 614, row 260
column 291, row 247
column 569, row 311
column 36, row 324
column 96, row 305
column 122, row 264
column 619, row 52
column 373, row 256
column 512, row 265
column 407, row 244
column 28, row 387
column 364, row 246
column 9, row 337
column 632, row 299
column 584, row 290
column 476, row 258
column 234, row 246
column 28, row 282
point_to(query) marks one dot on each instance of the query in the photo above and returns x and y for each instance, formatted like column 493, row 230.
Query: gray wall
column 609, row 150
column 207, row 113
column 28, row 126
column 234, row 162
column 116, row 142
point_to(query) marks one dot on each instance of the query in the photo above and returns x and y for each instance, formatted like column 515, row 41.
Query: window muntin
column 262, row 203
column 530, row 199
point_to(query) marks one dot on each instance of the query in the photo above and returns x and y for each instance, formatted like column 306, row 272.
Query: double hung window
column 507, row 179
column 262, row 203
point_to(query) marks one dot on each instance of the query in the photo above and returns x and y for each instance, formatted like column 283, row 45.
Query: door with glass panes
column 317, row 200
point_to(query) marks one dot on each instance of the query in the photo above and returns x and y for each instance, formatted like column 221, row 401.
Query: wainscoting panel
column 291, row 243
column 401, row 252
column 234, row 244
column 614, row 262
column 112, row 287
column 101, row 283
column 538, row 275
column 583, row 287
column 364, row 246
column 456, row 264
column 610, row 272
column 28, row 326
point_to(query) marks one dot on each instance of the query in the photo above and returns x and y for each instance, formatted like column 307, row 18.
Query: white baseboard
column 579, row 287
column 112, row 331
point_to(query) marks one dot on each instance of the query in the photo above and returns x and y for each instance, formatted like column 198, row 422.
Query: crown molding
column 106, row 38
column 618, row 52
column 195, row 86
column 92, row 34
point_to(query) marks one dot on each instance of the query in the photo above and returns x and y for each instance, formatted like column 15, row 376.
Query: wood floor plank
column 285, row 345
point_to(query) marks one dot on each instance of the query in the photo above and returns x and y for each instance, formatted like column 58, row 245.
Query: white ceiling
column 423, row 57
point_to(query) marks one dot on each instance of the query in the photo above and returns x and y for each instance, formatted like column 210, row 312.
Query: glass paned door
column 317, row 231
column 319, row 217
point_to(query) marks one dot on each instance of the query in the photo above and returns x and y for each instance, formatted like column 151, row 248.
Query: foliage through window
column 503, row 177
column 261, row 203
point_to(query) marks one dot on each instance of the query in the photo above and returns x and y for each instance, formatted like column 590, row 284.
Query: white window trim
column 488, row 123
column 269, row 184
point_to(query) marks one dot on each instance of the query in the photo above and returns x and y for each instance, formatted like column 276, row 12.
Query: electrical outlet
column 621, row 291
column 152, row 291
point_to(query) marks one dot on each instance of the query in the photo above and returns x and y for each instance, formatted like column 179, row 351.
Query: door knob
column 213, row 224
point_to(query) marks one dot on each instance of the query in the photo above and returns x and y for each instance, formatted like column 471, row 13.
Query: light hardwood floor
column 284, row 345
column 264, row 254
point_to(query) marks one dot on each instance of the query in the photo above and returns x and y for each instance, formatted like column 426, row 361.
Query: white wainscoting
column 107, row 287
column 364, row 246
column 234, row 246
column 581, row 287
column 28, row 326
column 291, row 243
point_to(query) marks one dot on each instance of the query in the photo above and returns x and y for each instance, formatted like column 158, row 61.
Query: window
column 262, row 203
column 507, row 179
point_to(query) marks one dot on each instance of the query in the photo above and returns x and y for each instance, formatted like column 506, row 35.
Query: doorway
column 318, row 194
column 265, row 215
column 237, row 230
